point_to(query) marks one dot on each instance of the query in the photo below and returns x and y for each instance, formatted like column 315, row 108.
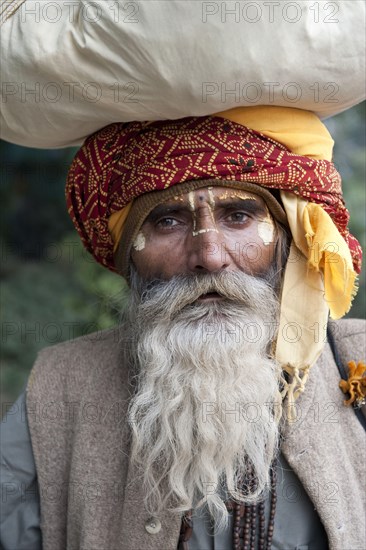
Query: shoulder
column 350, row 327
column 350, row 339
column 89, row 344
column 83, row 351
column 70, row 367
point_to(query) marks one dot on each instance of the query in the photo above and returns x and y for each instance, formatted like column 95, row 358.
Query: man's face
column 203, row 301
column 205, row 231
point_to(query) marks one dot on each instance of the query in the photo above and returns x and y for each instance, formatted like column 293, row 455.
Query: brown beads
column 249, row 526
column 249, row 522
column 185, row 530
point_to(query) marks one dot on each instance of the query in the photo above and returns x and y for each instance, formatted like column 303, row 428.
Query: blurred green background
column 52, row 290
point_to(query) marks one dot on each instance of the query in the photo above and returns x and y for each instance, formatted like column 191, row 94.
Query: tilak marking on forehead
column 232, row 194
column 140, row 242
column 193, row 210
column 210, row 206
column 211, row 197
column 191, row 201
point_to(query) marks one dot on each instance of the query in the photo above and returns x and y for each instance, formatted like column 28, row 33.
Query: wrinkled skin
column 205, row 231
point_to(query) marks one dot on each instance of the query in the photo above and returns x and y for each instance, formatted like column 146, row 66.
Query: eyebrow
column 249, row 205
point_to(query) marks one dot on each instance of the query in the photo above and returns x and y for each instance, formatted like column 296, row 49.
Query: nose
column 206, row 248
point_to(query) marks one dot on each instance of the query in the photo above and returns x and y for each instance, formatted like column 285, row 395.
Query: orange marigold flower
column 355, row 385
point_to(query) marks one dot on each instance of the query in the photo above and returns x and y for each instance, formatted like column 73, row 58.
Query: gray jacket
column 77, row 397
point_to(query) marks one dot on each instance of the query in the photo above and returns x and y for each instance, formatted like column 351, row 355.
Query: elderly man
column 201, row 422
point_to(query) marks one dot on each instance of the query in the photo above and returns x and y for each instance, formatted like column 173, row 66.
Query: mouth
column 210, row 296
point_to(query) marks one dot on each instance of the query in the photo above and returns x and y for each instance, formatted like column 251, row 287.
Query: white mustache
column 170, row 297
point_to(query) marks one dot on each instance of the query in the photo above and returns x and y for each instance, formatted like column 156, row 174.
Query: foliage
column 348, row 131
column 51, row 300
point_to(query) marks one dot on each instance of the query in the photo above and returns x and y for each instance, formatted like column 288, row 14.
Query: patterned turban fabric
column 124, row 160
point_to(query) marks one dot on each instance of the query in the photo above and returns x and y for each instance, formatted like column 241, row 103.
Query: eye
column 238, row 217
column 166, row 223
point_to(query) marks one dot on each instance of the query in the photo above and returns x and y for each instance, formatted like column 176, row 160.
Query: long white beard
column 207, row 393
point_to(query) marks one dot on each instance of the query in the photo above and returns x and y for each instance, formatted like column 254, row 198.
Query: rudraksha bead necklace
column 249, row 522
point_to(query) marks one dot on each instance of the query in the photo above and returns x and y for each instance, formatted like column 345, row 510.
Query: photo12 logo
column 268, row 92
column 52, row 92
column 270, row 12
column 75, row 11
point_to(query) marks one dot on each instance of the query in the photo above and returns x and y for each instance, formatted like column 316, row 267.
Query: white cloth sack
column 73, row 66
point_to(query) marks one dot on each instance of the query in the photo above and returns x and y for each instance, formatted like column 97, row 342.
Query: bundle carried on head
column 123, row 171
column 71, row 68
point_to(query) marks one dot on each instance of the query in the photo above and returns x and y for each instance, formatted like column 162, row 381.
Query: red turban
column 122, row 161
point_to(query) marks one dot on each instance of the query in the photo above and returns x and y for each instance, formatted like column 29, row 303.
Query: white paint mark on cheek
column 140, row 242
column 266, row 230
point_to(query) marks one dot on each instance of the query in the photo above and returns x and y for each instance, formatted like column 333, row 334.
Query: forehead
column 214, row 196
